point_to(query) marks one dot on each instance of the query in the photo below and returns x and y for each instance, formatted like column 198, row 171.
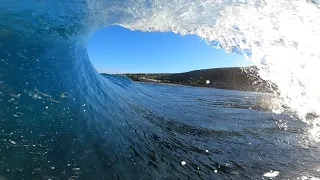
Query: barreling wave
column 48, row 84
column 280, row 37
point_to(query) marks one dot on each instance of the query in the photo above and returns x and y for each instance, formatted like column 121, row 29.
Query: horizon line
column 176, row 72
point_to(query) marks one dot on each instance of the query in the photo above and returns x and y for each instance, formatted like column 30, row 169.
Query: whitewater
column 60, row 119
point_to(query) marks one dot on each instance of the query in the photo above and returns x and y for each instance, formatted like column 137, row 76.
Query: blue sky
column 115, row 49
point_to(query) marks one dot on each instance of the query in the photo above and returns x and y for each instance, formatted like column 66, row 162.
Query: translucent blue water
column 60, row 119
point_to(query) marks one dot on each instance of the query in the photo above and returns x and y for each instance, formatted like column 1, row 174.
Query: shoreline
column 233, row 78
column 162, row 83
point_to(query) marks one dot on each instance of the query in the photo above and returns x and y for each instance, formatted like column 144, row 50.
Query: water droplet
column 183, row 163
column 271, row 174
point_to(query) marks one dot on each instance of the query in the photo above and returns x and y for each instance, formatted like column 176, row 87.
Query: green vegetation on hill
column 234, row 78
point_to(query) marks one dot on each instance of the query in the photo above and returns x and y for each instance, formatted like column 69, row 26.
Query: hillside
column 234, row 78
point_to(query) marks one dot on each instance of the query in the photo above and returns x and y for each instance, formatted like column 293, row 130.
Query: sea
column 61, row 119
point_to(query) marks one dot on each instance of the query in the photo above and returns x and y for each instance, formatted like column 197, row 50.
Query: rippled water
column 183, row 133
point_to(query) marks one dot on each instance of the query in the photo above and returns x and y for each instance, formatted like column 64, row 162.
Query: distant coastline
column 233, row 78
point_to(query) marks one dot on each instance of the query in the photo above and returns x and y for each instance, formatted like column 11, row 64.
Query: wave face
column 61, row 119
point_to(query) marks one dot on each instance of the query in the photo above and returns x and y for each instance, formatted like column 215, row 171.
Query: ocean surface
column 60, row 119
column 154, row 132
